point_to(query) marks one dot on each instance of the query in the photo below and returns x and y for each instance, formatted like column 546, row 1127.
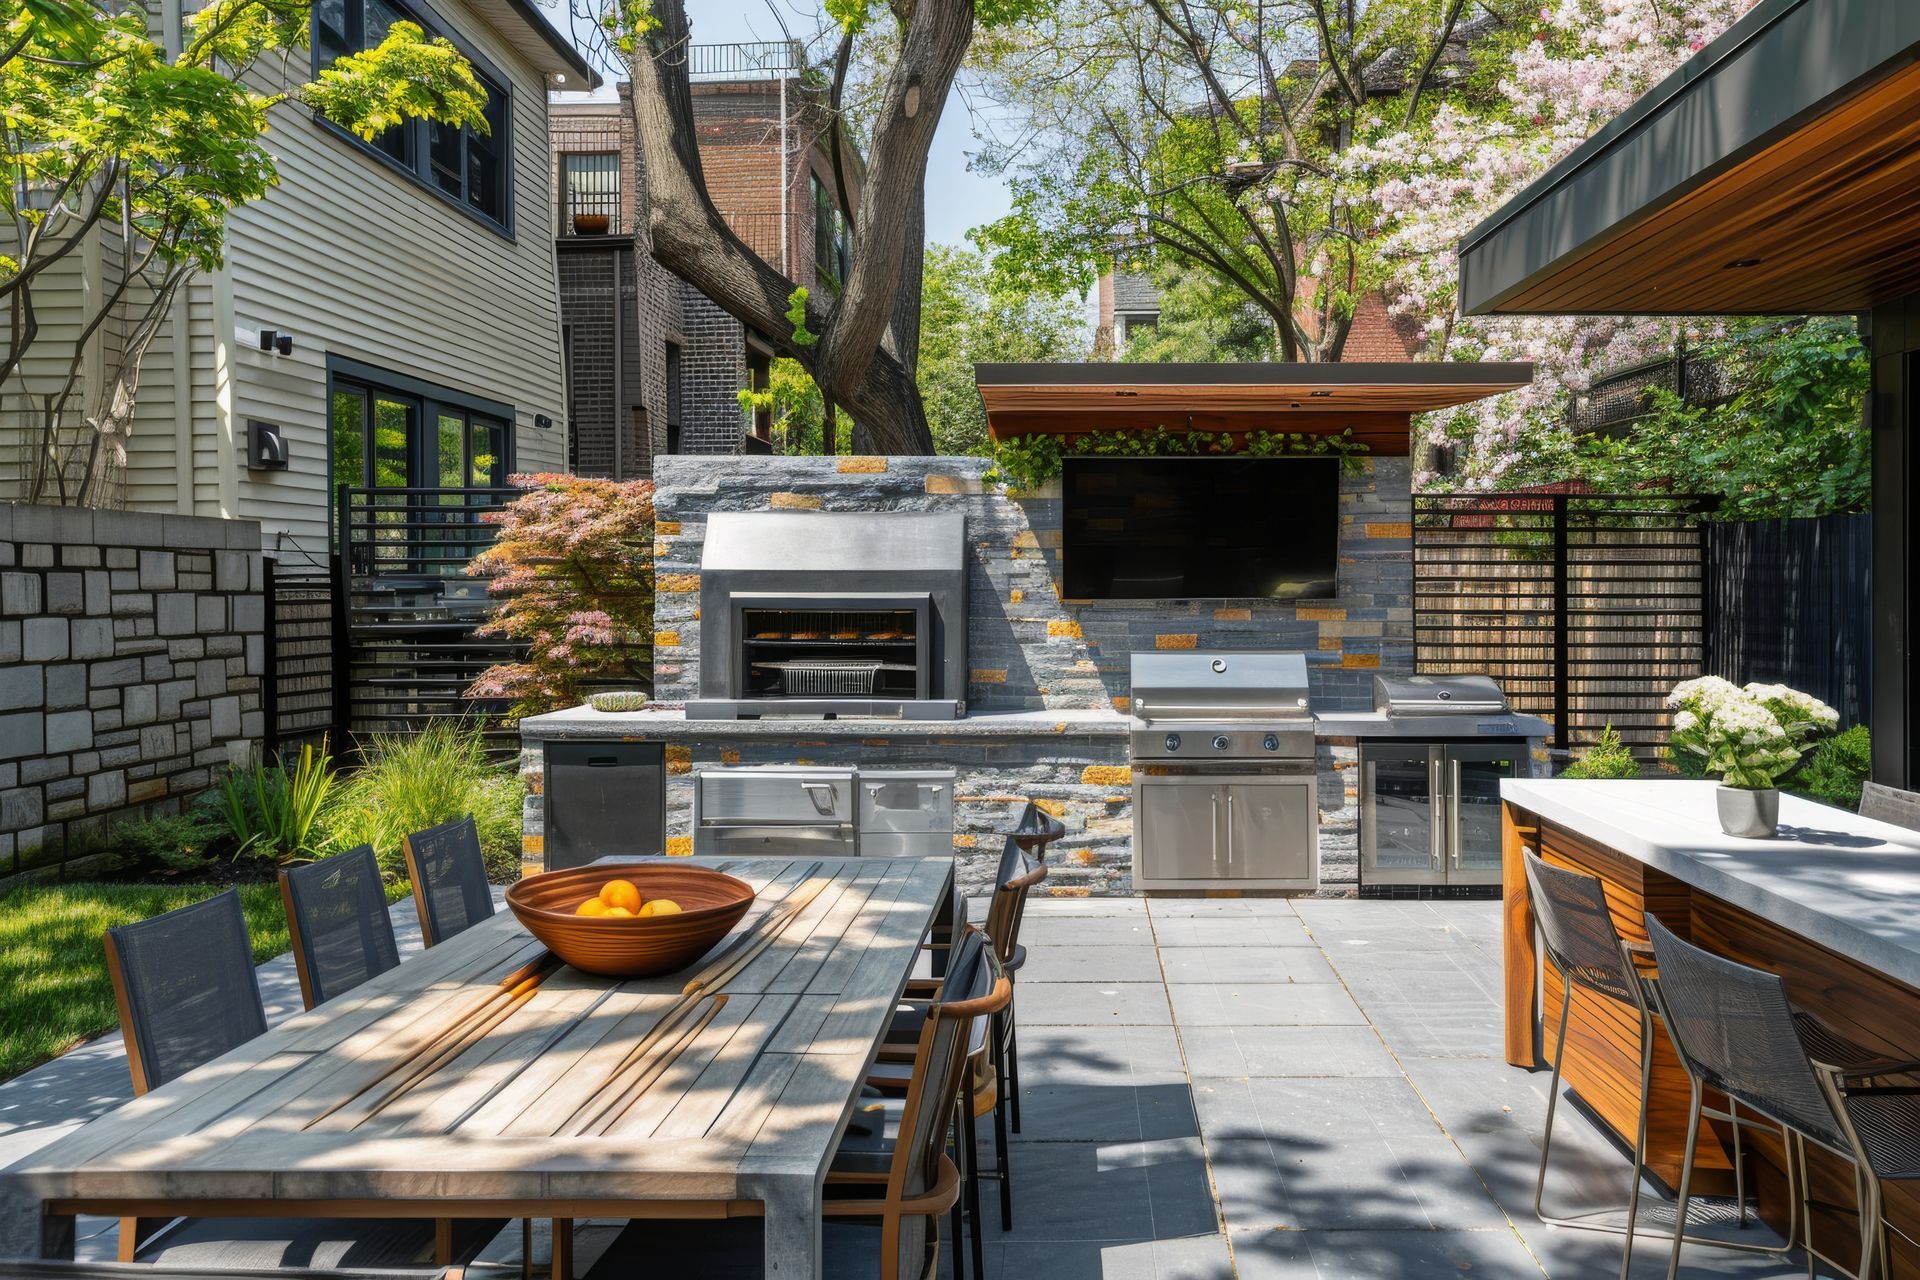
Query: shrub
column 572, row 578
column 413, row 781
column 1834, row 770
column 1752, row 736
column 1607, row 757
column 175, row 844
column 273, row 811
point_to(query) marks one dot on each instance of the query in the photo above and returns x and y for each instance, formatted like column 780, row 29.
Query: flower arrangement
column 1751, row 737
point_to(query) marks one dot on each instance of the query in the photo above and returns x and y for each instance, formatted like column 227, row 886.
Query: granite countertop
column 1846, row 882
column 673, row 726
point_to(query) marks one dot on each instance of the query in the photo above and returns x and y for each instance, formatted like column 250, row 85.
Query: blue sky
column 956, row 198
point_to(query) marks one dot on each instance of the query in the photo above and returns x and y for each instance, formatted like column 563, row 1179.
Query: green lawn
column 54, row 990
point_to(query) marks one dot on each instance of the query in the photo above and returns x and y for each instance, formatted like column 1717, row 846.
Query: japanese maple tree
column 572, row 577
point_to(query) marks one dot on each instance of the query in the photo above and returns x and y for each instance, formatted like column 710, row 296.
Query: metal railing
column 750, row 60
column 589, row 176
column 408, row 651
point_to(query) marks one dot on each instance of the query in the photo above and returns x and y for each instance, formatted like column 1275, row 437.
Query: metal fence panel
column 1587, row 608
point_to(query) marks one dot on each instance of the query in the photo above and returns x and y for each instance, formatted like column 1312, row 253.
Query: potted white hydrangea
column 1751, row 738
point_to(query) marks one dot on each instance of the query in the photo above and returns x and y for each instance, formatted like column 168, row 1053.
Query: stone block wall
column 132, row 650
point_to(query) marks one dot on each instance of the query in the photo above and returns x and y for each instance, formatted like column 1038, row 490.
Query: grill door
column 1177, row 829
column 1401, row 833
column 1270, row 830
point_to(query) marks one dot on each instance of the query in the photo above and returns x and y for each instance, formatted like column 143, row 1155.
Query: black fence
column 409, row 643
column 299, row 693
column 1587, row 608
column 1791, row 601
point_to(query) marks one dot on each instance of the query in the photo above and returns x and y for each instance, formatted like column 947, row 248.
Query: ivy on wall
column 1031, row 461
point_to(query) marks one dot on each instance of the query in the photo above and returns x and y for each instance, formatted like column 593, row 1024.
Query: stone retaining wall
column 132, row 648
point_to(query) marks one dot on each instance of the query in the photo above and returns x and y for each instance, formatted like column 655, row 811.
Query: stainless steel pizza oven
column 833, row 614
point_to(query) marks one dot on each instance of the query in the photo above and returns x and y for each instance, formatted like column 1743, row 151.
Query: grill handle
column 813, row 790
column 1215, row 795
column 1229, row 830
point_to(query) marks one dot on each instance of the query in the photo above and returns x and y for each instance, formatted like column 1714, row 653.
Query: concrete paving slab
column 1092, row 963
column 1286, row 1051
column 1246, row 964
column 1083, row 1004
column 1300, row 1004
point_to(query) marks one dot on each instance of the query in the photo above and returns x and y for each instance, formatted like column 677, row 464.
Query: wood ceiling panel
column 1831, row 213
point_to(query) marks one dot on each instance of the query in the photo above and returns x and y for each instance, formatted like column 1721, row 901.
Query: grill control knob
column 1271, row 742
column 1173, row 742
column 1221, row 742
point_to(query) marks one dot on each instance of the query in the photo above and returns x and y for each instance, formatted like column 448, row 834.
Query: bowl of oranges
column 630, row 920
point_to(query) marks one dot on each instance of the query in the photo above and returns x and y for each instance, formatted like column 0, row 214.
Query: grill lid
column 1438, row 696
column 1219, row 686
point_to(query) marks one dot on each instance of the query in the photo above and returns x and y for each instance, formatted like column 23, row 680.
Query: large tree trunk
column 867, row 342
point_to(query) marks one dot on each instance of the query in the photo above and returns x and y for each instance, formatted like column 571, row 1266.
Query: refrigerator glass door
column 1473, row 817
column 1401, row 837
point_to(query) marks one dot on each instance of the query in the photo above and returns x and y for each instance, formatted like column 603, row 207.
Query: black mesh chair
column 185, row 987
column 889, row 1182
column 449, row 875
column 1578, row 936
column 187, row 993
column 1736, row 1031
column 338, row 922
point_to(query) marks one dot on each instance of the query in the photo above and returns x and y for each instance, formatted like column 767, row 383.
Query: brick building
column 653, row 365
column 1129, row 304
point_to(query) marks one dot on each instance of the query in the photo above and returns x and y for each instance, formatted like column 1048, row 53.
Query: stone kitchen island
column 1073, row 761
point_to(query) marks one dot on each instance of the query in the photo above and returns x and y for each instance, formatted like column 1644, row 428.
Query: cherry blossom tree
column 1428, row 185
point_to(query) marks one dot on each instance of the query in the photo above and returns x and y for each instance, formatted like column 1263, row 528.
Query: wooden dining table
column 486, row 1080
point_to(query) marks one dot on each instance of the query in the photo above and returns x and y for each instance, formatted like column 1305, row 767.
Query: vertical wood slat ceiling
column 1831, row 213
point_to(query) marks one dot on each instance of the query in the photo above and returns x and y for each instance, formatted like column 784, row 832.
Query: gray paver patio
column 1332, row 1079
column 1262, row 1089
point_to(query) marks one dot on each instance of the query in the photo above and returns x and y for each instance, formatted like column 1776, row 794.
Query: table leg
column 793, row 1229
column 28, row 1232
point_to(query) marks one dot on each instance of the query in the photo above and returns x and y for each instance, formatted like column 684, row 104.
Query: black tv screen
column 1200, row 528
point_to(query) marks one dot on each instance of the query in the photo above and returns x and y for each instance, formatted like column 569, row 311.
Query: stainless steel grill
column 1223, row 768
column 1438, row 696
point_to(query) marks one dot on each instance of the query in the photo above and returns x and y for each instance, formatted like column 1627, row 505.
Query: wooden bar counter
column 1832, row 905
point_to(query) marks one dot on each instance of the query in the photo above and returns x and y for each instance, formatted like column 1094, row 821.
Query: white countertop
column 672, row 725
column 1846, row 882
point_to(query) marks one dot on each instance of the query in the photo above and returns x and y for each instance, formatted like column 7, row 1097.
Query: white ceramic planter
column 1753, row 814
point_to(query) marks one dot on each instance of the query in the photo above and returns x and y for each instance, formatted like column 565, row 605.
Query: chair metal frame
column 1643, row 989
column 1835, row 1082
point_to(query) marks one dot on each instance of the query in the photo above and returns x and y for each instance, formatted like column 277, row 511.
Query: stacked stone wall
column 132, row 650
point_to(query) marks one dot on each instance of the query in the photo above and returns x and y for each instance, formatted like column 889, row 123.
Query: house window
column 832, row 247
column 590, row 185
column 466, row 168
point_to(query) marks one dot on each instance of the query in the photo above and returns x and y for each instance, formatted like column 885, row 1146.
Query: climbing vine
column 1030, row 461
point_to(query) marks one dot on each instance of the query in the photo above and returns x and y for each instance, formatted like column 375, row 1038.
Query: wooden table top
column 484, row 1071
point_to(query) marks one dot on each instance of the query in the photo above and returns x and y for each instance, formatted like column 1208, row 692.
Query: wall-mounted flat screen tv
column 1200, row 528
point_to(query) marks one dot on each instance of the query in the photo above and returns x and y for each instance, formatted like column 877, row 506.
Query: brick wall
column 713, row 369
column 131, row 656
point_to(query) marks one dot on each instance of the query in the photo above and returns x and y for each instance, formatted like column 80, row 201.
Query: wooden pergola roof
column 1374, row 400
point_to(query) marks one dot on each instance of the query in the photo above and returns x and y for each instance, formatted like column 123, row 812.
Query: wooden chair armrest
column 939, row 1198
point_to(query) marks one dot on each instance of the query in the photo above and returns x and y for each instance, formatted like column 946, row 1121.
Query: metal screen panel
column 1586, row 608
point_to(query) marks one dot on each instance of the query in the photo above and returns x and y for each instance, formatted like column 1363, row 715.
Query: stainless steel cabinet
column 805, row 810
column 1205, row 831
column 1430, row 812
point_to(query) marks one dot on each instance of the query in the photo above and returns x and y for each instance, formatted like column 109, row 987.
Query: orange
column 619, row 911
column 661, row 907
column 621, row 893
column 591, row 907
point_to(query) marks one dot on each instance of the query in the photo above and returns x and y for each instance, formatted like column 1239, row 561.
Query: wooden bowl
column 636, row 947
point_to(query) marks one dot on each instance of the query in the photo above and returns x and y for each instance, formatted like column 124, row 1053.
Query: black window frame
column 832, row 249
column 411, row 156
column 430, row 402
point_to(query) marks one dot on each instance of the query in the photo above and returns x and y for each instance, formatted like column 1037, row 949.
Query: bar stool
column 1579, row 938
column 1735, row 1031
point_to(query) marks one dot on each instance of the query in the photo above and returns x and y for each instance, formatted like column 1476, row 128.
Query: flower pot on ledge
column 591, row 224
column 1753, row 814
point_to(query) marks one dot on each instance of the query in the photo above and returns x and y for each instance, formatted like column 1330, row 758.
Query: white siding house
column 414, row 287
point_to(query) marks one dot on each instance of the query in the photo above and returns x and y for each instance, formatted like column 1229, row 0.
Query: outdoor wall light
column 543, row 422
column 274, row 340
column 266, row 447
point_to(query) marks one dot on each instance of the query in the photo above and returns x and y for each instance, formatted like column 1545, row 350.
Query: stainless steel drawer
column 813, row 797
column 905, row 801
column 774, row 842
